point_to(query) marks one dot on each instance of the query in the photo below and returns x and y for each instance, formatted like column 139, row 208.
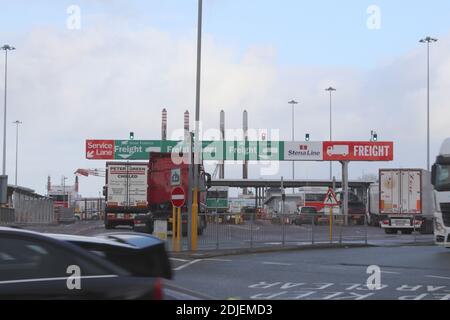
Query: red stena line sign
column 100, row 149
column 358, row 151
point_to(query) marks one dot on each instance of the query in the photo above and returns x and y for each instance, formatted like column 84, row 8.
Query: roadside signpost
column 331, row 201
column 178, row 199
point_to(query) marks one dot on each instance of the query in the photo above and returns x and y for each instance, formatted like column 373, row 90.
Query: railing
column 230, row 231
column 6, row 216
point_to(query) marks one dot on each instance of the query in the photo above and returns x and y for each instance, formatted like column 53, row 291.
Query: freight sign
column 358, row 151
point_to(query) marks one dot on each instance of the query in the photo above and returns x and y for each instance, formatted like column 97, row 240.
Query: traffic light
column 131, row 135
column 373, row 136
column 307, row 137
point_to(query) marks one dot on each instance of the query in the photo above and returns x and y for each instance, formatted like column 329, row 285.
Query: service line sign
column 100, row 149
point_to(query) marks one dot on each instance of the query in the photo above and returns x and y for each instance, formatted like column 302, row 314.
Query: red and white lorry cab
column 163, row 176
column 139, row 193
column 440, row 178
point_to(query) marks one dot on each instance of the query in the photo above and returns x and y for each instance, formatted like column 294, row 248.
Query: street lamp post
column 293, row 103
column 17, row 122
column 197, row 154
column 6, row 48
column 428, row 40
column 64, row 178
column 330, row 90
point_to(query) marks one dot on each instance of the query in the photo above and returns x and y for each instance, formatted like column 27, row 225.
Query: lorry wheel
column 108, row 226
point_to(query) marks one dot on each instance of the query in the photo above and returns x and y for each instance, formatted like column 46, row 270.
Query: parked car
column 111, row 266
column 305, row 215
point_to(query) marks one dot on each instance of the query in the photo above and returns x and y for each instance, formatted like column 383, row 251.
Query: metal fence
column 6, row 216
column 34, row 211
column 230, row 231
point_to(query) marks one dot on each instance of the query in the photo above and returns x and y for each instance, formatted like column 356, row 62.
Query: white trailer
column 405, row 201
column 126, row 192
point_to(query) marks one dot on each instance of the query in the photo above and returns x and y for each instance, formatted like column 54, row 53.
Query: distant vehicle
column 111, row 266
column 356, row 207
column 248, row 212
column 217, row 200
column 440, row 178
column 87, row 216
column 338, row 150
column 313, row 197
column 405, row 201
column 306, row 215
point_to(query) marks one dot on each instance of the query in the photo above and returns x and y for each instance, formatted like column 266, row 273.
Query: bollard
column 251, row 230
column 217, row 229
column 365, row 228
column 174, row 229
column 312, row 229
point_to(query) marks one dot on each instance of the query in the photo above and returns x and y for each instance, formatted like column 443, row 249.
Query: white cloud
column 109, row 79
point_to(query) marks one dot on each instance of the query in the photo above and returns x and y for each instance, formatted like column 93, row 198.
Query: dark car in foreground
column 56, row 266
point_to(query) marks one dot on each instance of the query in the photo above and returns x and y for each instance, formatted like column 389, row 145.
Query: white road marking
column 277, row 263
column 248, row 228
column 219, row 260
column 195, row 261
column 187, row 264
column 437, row 277
column 391, row 272
column 178, row 259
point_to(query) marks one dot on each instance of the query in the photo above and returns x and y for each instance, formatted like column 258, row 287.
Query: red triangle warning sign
column 330, row 198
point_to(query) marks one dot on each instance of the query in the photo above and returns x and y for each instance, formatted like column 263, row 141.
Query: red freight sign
column 178, row 197
column 100, row 149
column 358, row 151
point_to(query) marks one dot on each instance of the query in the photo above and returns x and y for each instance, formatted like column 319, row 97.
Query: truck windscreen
column 443, row 177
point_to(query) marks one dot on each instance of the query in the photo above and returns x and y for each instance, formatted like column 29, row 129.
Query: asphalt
column 411, row 267
column 407, row 272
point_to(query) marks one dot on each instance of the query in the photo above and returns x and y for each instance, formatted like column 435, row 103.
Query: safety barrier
column 225, row 232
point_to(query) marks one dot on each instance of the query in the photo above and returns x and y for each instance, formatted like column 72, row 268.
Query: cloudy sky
column 129, row 59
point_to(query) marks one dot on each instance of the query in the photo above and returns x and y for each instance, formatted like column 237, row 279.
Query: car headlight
column 439, row 227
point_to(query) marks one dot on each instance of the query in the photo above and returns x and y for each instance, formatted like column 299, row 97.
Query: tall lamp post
column 197, row 153
column 428, row 40
column 6, row 48
column 17, row 122
column 330, row 90
column 293, row 103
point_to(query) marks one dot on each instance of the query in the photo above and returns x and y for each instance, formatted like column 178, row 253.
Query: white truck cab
column 440, row 178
